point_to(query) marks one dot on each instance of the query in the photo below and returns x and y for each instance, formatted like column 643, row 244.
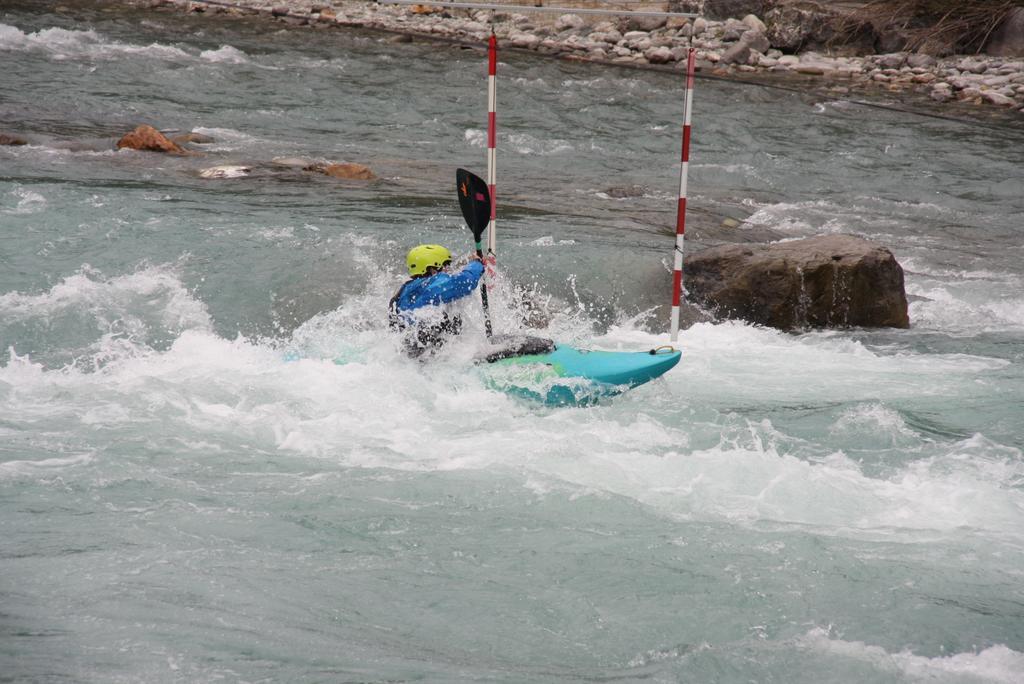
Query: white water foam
column 90, row 320
column 878, row 421
column 227, row 139
column 62, row 44
column 997, row 664
column 863, row 215
column 530, row 83
column 681, row 446
column 225, row 54
column 921, row 267
column 28, row 202
column 800, row 218
column 643, row 446
column 742, row 170
column 603, row 82
column 956, row 308
column 46, row 467
column 90, row 289
column 520, row 143
column 549, row 241
column 524, row 143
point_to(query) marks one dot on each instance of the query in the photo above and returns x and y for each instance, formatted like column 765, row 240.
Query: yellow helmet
column 423, row 257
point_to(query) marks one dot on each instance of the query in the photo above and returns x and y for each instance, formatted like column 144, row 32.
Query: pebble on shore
column 733, row 45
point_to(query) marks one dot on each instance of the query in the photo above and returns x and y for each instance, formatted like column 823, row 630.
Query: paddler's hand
column 489, row 262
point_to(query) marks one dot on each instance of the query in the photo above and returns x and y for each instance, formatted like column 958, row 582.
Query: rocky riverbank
column 732, row 47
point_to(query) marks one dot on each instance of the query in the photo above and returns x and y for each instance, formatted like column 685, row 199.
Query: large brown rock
column 831, row 281
column 149, row 139
column 6, row 139
column 346, row 170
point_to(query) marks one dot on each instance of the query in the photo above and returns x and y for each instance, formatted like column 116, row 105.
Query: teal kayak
column 562, row 375
column 539, row 370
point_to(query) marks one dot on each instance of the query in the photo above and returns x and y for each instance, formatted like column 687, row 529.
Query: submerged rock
column 226, row 171
column 147, row 138
column 6, row 139
column 292, row 162
column 831, row 281
column 624, row 191
column 192, row 137
column 347, row 171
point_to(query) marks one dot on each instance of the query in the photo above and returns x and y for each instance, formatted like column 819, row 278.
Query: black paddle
column 475, row 202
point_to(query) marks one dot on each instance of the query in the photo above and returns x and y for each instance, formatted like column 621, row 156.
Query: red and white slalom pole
column 492, row 138
column 677, row 271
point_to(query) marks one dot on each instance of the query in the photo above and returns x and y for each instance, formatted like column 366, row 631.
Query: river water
column 191, row 489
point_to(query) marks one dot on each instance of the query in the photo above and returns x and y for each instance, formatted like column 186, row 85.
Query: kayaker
column 418, row 308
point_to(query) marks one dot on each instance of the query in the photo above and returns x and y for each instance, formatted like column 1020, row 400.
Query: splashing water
column 217, row 463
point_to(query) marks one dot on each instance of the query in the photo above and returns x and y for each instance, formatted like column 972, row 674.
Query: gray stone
column 658, row 55
column 568, row 21
column 995, row 81
column 756, row 41
column 737, row 53
column 830, row 281
column 973, row 66
column 733, row 29
column 679, row 24
column 921, row 61
column 810, row 69
column 996, row 98
column 644, row 23
column 613, row 36
column 754, row 24
column 891, row 61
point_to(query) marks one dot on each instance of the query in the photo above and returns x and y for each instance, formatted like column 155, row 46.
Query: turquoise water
column 179, row 502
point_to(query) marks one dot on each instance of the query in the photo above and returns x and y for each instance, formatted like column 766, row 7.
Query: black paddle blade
column 474, row 200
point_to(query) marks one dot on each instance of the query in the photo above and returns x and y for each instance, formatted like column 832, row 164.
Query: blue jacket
column 439, row 288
